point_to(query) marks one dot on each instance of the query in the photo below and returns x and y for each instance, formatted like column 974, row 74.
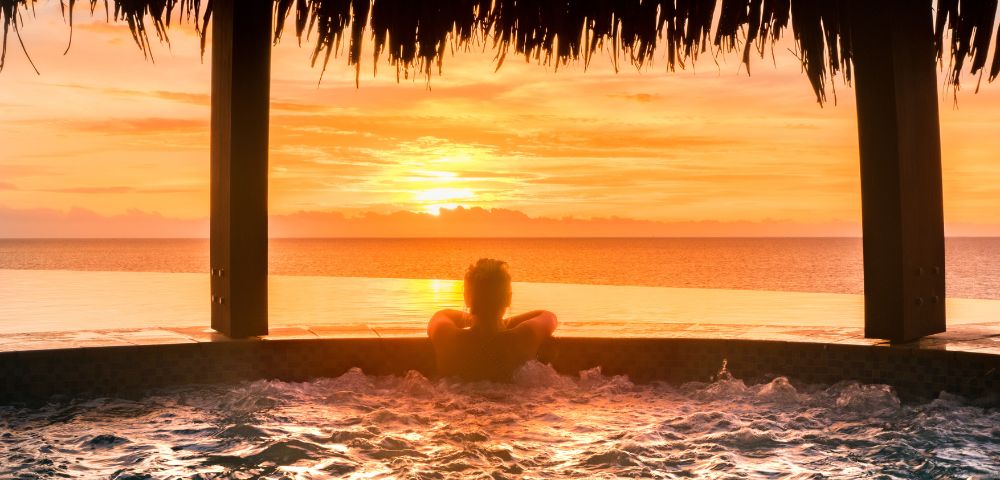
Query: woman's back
column 481, row 344
column 472, row 355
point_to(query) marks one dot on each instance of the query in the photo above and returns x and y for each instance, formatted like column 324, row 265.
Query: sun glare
column 442, row 194
column 434, row 199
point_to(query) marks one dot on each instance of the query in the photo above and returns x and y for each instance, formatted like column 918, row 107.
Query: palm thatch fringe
column 415, row 35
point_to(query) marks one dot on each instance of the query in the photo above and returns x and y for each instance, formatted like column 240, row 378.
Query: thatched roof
column 415, row 34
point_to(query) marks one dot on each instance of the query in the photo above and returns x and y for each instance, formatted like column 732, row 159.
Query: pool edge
column 37, row 376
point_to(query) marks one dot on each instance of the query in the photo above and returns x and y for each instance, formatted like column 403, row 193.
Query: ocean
column 829, row 265
column 626, row 286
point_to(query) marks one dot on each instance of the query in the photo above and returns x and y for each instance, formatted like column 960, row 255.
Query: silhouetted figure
column 481, row 344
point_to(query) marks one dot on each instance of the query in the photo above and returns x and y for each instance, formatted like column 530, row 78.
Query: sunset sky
column 107, row 143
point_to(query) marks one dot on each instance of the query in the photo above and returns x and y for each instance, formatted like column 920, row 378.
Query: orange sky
column 105, row 143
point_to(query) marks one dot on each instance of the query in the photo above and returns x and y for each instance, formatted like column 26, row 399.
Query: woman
column 481, row 344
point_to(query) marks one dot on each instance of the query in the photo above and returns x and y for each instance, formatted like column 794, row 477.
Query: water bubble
column 543, row 425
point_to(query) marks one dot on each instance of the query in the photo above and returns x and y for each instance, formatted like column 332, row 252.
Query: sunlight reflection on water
column 47, row 300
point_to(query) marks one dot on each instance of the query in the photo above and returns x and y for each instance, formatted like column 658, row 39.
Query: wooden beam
column 899, row 138
column 241, row 66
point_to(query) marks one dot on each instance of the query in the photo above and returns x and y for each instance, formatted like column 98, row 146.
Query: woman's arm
column 540, row 323
column 447, row 319
column 516, row 320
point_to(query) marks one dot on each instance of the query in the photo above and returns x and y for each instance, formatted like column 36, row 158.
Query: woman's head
column 487, row 288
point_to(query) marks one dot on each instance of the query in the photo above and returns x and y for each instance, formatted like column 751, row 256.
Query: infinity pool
column 49, row 301
column 543, row 425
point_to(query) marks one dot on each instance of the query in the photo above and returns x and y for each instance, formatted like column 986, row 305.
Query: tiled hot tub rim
column 32, row 377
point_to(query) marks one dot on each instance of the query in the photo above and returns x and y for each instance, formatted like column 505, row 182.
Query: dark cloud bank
column 460, row 222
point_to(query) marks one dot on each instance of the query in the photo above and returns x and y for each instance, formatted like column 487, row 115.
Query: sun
column 434, row 199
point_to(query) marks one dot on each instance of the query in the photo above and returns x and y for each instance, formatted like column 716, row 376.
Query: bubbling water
column 542, row 425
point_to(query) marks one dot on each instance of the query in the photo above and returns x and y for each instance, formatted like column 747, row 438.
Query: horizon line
column 503, row 237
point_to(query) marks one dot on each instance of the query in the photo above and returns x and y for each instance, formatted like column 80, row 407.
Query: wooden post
column 899, row 138
column 241, row 67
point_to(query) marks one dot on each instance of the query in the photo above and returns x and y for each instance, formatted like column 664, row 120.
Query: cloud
column 639, row 97
column 458, row 222
column 480, row 222
column 202, row 99
column 90, row 190
column 78, row 222
column 675, row 147
column 451, row 223
column 116, row 189
column 195, row 98
column 140, row 125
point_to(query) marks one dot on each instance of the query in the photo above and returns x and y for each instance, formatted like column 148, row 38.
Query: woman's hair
column 487, row 287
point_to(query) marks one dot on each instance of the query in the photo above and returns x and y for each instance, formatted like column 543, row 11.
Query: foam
column 542, row 424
